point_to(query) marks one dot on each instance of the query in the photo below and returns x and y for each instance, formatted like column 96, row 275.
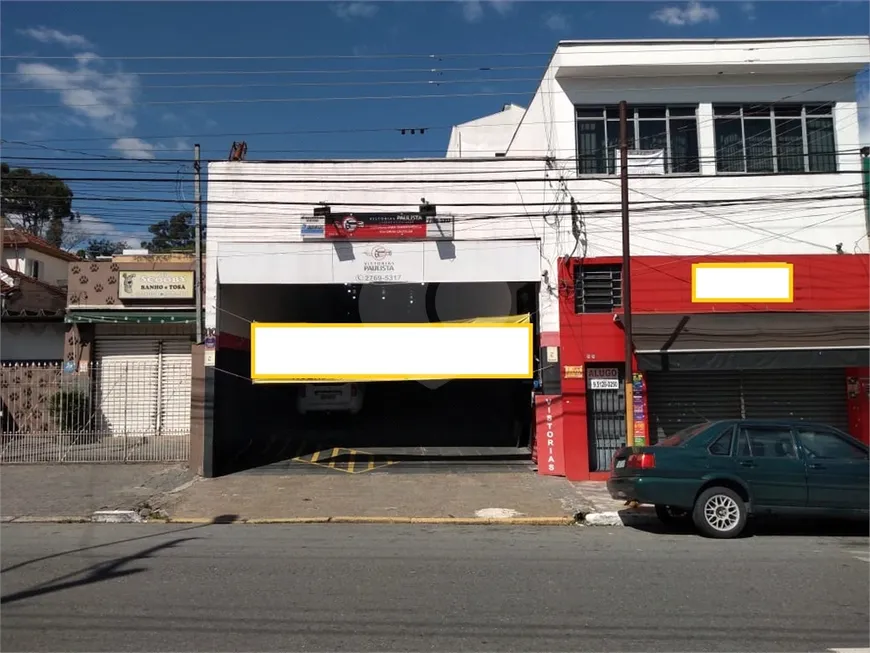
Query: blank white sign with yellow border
column 302, row 353
column 743, row 282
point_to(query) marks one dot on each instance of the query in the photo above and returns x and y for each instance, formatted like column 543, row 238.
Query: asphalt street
column 427, row 588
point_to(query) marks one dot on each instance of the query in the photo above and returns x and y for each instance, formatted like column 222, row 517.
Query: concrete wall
column 29, row 341
column 52, row 270
column 486, row 136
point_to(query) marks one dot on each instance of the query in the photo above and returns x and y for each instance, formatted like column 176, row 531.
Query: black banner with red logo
column 375, row 226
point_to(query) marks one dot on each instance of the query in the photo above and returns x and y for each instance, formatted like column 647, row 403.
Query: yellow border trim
column 748, row 300
column 312, row 378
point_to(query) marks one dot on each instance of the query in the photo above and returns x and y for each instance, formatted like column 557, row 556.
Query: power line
column 383, row 205
column 318, row 71
column 372, row 130
column 741, row 45
column 351, row 98
column 416, row 82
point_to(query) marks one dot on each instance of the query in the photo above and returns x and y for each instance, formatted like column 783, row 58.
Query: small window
column 32, row 269
column 821, row 444
column 767, row 442
column 721, row 446
column 597, row 288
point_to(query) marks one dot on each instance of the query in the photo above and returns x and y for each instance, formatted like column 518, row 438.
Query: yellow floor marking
column 351, row 462
column 314, row 457
column 333, row 457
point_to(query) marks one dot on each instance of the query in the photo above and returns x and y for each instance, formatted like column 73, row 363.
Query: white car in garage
column 330, row 398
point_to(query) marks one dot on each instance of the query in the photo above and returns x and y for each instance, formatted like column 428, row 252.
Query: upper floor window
column 781, row 138
column 32, row 268
column 671, row 130
column 597, row 288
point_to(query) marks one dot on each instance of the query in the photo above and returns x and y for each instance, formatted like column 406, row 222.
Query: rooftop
column 17, row 237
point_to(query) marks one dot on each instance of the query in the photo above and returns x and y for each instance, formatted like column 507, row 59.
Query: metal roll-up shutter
column 175, row 375
column 676, row 400
column 815, row 395
column 126, row 376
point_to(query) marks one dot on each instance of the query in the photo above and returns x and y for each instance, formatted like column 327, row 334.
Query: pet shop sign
column 156, row 284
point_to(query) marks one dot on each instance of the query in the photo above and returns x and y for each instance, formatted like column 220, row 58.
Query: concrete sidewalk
column 79, row 490
column 382, row 496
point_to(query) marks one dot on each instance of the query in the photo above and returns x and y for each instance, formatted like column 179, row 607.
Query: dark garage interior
column 402, row 426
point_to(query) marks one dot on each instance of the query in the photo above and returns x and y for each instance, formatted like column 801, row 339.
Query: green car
column 722, row 472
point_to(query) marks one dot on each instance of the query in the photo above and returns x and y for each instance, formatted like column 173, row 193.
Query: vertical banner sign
column 548, row 435
column 640, row 434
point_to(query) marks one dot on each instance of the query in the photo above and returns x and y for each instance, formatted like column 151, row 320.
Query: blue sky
column 101, row 101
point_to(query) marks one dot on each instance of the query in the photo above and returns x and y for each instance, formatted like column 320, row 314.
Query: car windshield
column 683, row 436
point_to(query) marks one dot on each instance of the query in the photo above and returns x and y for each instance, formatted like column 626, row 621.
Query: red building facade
column 805, row 358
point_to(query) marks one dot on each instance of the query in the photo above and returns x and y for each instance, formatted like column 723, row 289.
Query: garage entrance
column 366, row 426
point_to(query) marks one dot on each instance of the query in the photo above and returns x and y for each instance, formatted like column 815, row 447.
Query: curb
column 32, row 519
column 132, row 517
column 618, row 517
column 456, row 521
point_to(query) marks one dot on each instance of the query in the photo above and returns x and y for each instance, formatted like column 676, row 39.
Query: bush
column 72, row 410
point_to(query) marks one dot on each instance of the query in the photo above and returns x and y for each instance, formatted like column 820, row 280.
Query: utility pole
column 626, row 275
column 197, row 273
column 865, row 174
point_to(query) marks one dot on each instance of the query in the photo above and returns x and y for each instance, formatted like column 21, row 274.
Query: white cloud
column 502, row 7
column 748, row 9
column 134, row 148
column 472, row 11
column 92, row 227
column 106, row 98
column 48, row 35
column 351, row 10
column 181, row 147
column 692, row 14
column 556, row 22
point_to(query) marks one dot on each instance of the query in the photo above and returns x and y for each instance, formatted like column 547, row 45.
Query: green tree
column 173, row 235
column 41, row 204
column 100, row 247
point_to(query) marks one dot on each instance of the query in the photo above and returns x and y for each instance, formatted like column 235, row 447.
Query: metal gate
column 679, row 399
column 605, row 414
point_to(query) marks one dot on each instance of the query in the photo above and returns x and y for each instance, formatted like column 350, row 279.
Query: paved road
column 384, row 588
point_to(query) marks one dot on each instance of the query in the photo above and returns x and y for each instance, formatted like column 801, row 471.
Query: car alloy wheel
column 719, row 512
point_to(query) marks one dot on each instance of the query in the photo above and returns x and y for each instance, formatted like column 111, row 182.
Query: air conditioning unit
column 643, row 162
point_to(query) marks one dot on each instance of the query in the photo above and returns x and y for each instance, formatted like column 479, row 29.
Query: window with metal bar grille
column 597, row 288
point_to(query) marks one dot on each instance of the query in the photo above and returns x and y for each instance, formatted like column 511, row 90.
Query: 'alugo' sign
column 156, row 284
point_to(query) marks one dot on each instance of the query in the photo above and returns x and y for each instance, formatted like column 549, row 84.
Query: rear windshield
column 683, row 436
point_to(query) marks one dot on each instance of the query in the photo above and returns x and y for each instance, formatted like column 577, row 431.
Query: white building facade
column 739, row 147
column 699, row 106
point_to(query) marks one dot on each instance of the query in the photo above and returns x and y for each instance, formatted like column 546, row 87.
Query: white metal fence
column 116, row 411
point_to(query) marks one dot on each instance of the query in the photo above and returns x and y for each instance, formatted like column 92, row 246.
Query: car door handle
column 747, row 463
column 816, row 466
